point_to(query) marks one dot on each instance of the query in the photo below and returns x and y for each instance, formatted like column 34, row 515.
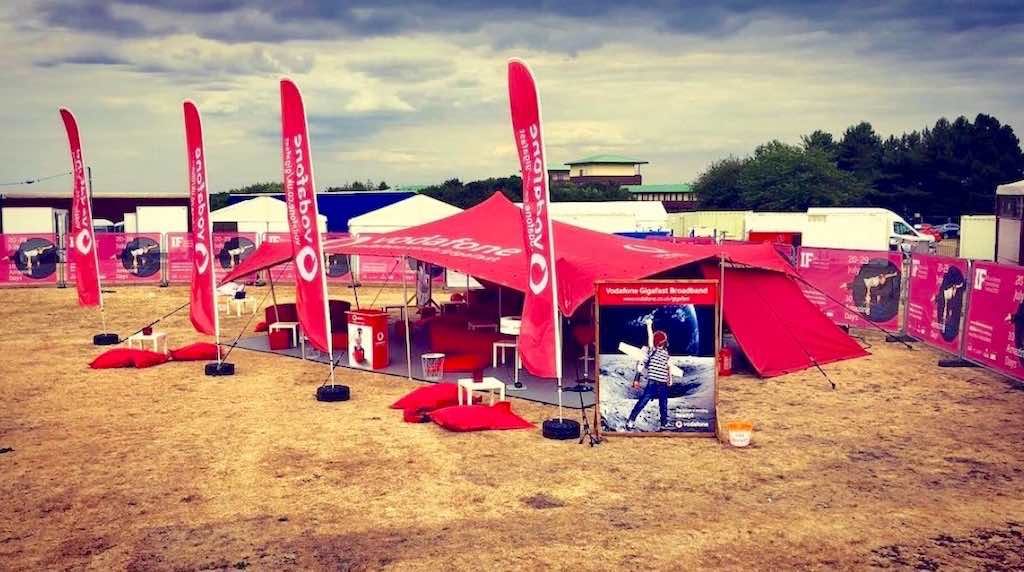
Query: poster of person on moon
column 657, row 370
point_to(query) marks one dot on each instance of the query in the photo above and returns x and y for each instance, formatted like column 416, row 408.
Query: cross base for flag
column 221, row 369
column 329, row 393
column 517, row 386
column 560, row 429
column 106, row 339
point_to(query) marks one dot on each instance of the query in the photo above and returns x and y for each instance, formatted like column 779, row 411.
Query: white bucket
column 739, row 433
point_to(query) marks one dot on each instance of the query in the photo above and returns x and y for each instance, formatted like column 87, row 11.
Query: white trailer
column 27, row 220
column 160, row 219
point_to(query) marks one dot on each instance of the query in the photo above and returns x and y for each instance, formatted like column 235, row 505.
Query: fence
column 973, row 310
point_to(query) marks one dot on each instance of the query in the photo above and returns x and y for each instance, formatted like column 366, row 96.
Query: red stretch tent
column 485, row 241
column 779, row 330
column 775, row 325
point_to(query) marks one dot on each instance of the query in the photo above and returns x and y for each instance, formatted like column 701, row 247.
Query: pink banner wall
column 995, row 318
column 284, row 273
column 866, row 282
column 936, row 300
column 29, row 259
column 230, row 248
column 126, row 258
column 179, row 257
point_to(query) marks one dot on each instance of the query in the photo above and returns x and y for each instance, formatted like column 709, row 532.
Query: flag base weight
column 560, row 429
column 106, row 339
column 956, row 362
column 221, row 369
column 330, row 393
column 517, row 386
column 901, row 338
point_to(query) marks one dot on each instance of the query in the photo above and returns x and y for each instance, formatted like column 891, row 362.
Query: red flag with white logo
column 300, row 196
column 203, row 309
column 82, row 246
column 540, row 342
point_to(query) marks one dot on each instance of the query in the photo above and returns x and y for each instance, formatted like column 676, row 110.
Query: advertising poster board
column 230, row 249
column 284, row 273
column 29, row 259
column 994, row 330
column 632, row 314
column 126, row 258
column 853, row 287
column 936, row 300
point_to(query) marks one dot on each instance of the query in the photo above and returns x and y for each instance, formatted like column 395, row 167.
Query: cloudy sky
column 414, row 92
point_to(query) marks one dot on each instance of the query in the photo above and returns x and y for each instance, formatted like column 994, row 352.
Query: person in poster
column 876, row 290
column 655, row 370
column 949, row 302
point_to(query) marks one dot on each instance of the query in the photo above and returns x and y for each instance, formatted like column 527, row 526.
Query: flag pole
column 405, row 318
column 95, row 255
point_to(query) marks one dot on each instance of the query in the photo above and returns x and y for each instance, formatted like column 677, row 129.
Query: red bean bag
column 143, row 358
column 466, row 363
column 260, row 327
column 479, row 417
column 199, row 351
column 431, row 397
column 117, row 357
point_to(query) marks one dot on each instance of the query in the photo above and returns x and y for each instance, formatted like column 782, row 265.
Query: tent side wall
column 777, row 328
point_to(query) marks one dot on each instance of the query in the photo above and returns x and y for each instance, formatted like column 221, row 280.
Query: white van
column 865, row 228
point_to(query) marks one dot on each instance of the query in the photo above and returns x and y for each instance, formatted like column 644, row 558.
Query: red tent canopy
column 485, row 241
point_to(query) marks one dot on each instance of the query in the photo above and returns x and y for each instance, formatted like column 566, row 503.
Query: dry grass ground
column 905, row 465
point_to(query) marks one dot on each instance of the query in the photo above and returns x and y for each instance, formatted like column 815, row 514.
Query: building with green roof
column 606, row 169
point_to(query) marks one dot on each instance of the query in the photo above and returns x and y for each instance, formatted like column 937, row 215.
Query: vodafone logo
column 202, row 258
column 539, row 275
column 83, row 241
column 307, row 264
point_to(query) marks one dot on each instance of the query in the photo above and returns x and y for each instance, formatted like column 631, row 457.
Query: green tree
column 787, row 178
column 257, row 188
column 383, row 186
column 822, row 142
column 860, row 152
column 718, row 186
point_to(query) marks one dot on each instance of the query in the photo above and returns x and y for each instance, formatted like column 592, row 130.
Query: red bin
column 368, row 339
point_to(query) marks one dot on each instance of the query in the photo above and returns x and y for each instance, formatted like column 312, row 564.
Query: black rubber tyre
column 332, row 393
column 561, row 430
column 107, row 339
column 222, row 369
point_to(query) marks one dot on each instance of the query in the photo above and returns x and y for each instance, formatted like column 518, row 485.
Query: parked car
column 949, row 230
column 929, row 230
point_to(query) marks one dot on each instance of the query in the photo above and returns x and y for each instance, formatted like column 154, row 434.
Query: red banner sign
column 203, row 296
column 653, row 292
column 540, row 343
column 994, row 329
column 300, row 195
column 936, row 300
column 853, row 286
column 125, row 258
column 81, row 251
column 29, row 259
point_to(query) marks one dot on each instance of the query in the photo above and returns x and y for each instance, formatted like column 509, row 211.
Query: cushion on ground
column 280, row 339
column 143, row 358
column 339, row 340
column 284, row 313
column 466, row 362
column 415, row 416
column 260, row 327
column 199, row 351
column 431, row 396
column 479, row 417
column 117, row 357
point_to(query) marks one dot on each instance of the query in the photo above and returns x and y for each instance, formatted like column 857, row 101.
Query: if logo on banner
column 979, row 278
column 805, row 259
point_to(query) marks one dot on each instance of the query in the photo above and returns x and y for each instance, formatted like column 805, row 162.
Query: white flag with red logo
column 82, row 242
column 203, row 309
column 540, row 342
column 300, row 196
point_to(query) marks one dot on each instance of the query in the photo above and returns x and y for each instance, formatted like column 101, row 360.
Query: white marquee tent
column 413, row 211
column 259, row 214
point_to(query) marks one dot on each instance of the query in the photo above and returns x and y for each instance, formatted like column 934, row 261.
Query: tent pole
column 721, row 302
column 273, row 295
column 405, row 318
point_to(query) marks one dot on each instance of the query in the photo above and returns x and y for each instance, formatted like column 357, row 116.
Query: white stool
column 488, row 383
column 498, row 349
column 293, row 326
column 239, row 304
column 155, row 337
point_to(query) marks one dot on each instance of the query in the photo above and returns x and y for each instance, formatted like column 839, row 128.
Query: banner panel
column 936, row 301
column 231, row 248
column 125, row 258
column 995, row 318
column 29, row 259
column 853, row 287
column 656, row 366
column 179, row 257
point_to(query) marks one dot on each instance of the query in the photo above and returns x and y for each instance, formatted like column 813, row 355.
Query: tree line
column 465, row 195
column 949, row 169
